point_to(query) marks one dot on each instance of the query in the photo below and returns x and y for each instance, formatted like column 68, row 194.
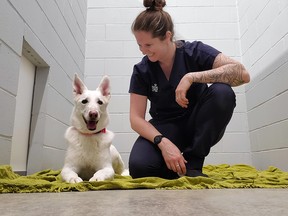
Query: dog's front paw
column 102, row 175
column 75, row 180
column 97, row 178
column 100, row 178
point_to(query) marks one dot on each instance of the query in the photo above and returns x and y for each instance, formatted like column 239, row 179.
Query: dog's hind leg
column 117, row 162
column 118, row 165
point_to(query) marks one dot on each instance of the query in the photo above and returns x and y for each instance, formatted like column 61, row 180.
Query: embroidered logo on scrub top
column 155, row 88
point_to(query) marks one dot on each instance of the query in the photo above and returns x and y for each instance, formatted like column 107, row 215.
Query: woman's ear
column 168, row 36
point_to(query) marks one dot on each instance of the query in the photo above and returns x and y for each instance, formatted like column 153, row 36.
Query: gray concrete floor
column 232, row 202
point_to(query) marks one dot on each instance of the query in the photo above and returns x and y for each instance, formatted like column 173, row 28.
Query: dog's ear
column 104, row 86
column 78, row 85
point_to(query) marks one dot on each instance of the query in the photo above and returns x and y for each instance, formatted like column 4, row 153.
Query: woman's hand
column 172, row 156
column 182, row 89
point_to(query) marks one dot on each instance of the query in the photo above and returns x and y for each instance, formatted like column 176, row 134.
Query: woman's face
column 154, row 48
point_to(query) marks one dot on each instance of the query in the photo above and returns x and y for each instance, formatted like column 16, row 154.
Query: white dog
column 90, row 154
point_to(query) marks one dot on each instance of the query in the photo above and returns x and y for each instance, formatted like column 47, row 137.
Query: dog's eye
column 100, row 102
column 84, row 101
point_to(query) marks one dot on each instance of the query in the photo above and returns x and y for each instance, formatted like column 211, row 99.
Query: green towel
column 220, row 176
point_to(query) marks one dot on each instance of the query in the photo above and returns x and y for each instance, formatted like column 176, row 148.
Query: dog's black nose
column 93, row 115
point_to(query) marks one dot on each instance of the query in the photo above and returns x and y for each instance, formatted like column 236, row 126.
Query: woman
column 188, row 117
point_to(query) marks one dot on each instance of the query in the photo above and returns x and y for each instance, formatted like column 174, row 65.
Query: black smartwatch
column 158, row 139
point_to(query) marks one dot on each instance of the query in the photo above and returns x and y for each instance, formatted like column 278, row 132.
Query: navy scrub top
column 149, row 80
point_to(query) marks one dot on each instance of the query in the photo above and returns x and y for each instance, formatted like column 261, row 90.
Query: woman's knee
column 223, row 95
column 138, row 169
column 143, row 159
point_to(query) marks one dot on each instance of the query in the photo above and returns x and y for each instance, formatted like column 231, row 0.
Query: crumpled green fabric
column 220, row 176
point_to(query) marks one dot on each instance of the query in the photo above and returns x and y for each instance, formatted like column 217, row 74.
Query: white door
column 20, row 139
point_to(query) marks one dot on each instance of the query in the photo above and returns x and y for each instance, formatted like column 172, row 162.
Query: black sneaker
column 195, row 173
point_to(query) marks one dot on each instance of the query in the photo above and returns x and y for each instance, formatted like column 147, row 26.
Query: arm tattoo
column 225, row 70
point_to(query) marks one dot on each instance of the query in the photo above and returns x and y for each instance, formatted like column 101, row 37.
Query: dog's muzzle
column 91, row 123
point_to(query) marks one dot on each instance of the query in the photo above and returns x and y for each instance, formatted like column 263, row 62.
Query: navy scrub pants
column 194, row 134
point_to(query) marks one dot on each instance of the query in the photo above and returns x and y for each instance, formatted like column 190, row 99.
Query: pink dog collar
column 90, row 134
column 102, row 131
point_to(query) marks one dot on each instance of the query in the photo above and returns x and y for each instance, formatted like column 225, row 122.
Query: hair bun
column 154, row 4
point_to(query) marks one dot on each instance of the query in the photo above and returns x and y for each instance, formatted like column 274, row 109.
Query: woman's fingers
column 178, row 167
column 181, row 91
column 182, row 101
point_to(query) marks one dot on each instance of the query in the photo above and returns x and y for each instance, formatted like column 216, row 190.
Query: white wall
column 51, row 34
column 111, row 49
column 264, row 37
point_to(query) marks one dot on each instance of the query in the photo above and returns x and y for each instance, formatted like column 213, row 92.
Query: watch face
column 157, row 139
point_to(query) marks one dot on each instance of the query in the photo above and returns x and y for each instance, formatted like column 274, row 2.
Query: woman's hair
column 154, row 20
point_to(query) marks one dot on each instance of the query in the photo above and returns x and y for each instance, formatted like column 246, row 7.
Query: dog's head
column 90, row 110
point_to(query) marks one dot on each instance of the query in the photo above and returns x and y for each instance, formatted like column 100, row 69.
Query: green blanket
column 220, row 176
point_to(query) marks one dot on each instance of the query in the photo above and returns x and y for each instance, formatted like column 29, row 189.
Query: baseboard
column 22, row 173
